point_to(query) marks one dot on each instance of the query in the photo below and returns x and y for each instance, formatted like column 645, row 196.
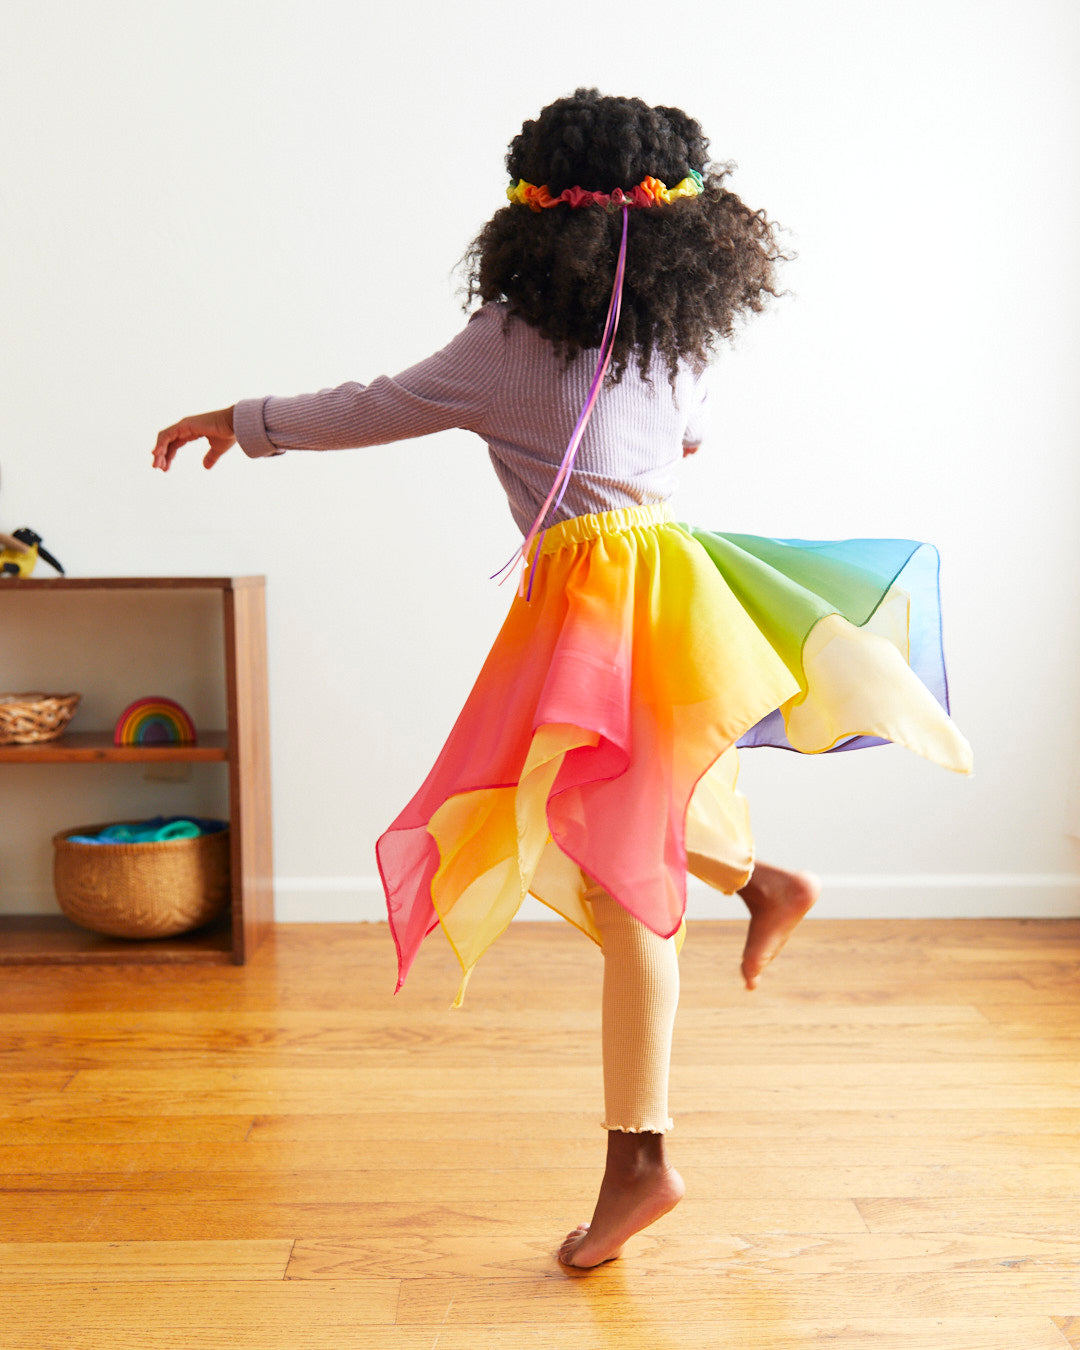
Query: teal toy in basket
column 151, row 831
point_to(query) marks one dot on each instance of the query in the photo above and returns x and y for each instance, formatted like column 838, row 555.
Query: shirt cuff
column 250, row 429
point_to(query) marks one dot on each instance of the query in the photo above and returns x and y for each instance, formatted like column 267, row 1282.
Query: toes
column 573, row 1241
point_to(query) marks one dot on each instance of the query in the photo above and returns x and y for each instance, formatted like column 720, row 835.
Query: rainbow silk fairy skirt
column 599, row 742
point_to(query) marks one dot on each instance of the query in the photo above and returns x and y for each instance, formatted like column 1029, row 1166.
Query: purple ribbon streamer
column 562, row 477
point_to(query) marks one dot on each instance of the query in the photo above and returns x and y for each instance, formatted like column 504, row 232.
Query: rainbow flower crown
column 649, row 192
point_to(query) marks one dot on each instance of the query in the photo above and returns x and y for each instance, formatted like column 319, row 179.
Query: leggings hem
column 638, row 1129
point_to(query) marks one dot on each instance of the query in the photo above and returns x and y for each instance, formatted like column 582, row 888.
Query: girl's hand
column 217, row 427
column 690, row 450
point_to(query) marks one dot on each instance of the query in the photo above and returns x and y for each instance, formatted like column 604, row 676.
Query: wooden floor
column 881, row 1148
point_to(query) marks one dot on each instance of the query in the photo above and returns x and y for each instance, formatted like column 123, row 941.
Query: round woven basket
column 151, row 890
column 26, row 719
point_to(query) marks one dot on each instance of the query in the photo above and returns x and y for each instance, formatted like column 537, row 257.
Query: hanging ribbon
column 566, row 468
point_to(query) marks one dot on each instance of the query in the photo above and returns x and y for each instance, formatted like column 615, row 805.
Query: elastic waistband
column 581, row 529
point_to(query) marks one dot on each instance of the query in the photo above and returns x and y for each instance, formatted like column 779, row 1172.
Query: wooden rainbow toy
column 154, row 721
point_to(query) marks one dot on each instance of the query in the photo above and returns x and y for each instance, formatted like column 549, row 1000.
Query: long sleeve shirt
column 502, row 380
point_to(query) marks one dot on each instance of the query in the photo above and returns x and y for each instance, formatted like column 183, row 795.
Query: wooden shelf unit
column 244, row 746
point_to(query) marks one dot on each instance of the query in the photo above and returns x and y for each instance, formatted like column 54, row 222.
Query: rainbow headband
column 649, row 192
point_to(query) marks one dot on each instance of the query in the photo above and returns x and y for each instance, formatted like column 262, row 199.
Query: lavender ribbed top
column 502, row 380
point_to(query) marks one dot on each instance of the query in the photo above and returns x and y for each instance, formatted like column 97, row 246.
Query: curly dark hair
column 691, row 267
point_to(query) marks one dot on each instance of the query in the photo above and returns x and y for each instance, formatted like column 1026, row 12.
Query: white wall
column 212, row 199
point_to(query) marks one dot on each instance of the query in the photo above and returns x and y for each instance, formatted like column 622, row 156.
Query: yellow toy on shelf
column 19, row 554
column 14, row 556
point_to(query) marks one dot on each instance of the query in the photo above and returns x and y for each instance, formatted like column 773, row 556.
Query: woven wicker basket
column 151, row 890
column 26, row 719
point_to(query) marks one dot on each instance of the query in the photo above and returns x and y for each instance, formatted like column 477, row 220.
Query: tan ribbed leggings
column 641, row 993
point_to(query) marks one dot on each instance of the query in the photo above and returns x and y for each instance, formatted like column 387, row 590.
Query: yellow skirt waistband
column 581, row 529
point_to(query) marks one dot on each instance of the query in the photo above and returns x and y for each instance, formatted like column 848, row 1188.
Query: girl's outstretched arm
column 217, row 427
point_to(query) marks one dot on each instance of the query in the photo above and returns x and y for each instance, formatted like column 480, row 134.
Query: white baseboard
column 954, row 895
column 329, row 900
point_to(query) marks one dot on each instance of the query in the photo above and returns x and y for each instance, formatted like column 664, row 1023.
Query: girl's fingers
column 168, row 442
column 177, row 434
column 181, row 433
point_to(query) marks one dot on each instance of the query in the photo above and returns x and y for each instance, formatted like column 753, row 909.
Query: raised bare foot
column 777, row 900
column 639, row 1187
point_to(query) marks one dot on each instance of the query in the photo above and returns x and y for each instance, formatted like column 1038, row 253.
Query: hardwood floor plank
column 244, row 1334
column 449, row 1079
column 738, row 1128
column 1035, row 1162
column 456, row 1185
column 697, row 1049
column 939, row 1333
column 269, row 1027
column 1014, row 1217
column 200, row 1310
column 612, row 1296
column 153, row 1262
column 74, row 1216
column 15, row 1083
column 1056, row 1019
column 30, row 1131
column 401, row 1255
column 535, row 1092
column 433, row 1253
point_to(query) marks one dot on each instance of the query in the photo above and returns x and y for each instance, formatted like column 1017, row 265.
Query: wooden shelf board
column 45, row 939
column 15, row 584
column 76, row 747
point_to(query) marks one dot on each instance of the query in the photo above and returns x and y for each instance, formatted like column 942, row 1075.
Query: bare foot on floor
column 777, row 901
column 639, row 1187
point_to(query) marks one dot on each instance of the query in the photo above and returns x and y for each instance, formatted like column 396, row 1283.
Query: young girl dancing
column 593, row 765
